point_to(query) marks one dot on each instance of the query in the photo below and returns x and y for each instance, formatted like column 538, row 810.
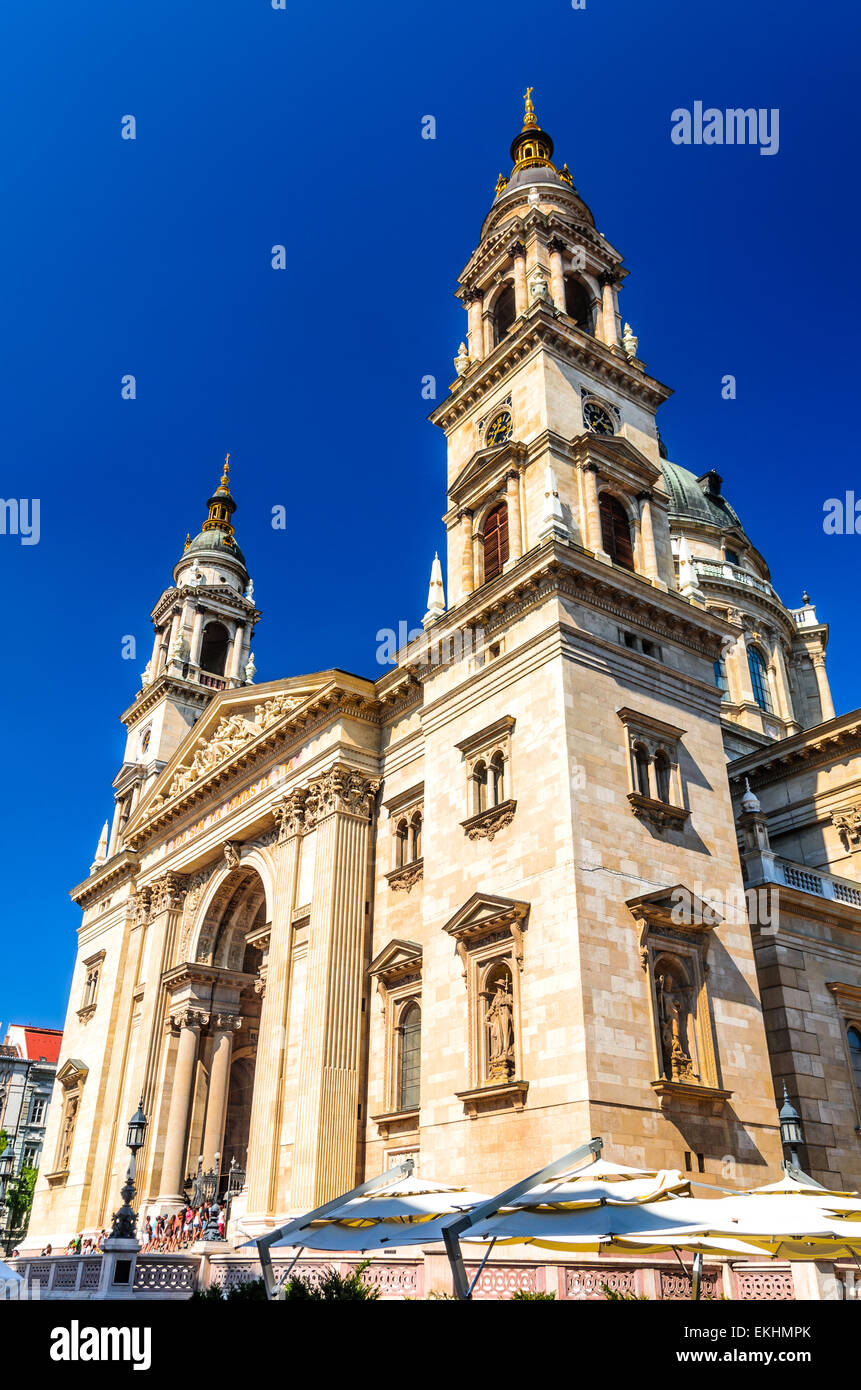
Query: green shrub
column 616, row 1296
column 334, row 1288
column 525, row 1296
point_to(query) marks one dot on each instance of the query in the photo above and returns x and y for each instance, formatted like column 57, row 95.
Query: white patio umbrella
column 603, row 1182
column 407, row 1211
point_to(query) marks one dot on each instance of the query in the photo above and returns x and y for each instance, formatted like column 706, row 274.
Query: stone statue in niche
column 499, row 1020
column 674, row 1011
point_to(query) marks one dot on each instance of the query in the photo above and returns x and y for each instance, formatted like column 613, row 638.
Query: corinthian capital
column 168, row 891
column 341, row 789
column 227, row 1023
column 187, row 1016
column 290, row 814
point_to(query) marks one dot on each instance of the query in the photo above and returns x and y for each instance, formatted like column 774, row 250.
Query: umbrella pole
column 480, row 1268
column 697, row 1276
column 286, row 1275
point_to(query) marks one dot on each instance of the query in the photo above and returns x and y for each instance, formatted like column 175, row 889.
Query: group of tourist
column 80, row 1245
column 163, row 1233
column 182, row 1229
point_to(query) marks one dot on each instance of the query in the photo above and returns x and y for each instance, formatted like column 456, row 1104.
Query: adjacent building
column 28, row 1065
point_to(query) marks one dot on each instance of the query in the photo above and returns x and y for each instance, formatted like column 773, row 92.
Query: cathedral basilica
column 585, row 861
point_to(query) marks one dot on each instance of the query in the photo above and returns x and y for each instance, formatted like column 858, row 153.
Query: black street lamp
column 124, row 1224
column 791, row 1134
column 137, row 1129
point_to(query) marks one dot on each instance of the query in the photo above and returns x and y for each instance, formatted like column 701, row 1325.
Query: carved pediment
column 72, row 1073
column 616, row 458
column 485, row 467
column 232, row 723
column 482, row 915
column 395, row 960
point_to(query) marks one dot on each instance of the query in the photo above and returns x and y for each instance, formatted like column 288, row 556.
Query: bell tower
column 203, row 628
column 550, row 421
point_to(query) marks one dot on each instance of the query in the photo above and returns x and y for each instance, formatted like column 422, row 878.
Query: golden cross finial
column 529, row 118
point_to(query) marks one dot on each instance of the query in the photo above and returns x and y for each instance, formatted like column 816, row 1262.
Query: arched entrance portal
column 228, row 955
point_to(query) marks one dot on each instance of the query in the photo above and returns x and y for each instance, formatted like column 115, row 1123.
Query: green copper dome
column 699, row 499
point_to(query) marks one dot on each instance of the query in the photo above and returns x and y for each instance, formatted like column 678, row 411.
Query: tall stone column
column 487, row 322
column 650, row 558
column 235, row 670
column 264, row 1135
column 189, row 1021
column 512, row 498
column 324, row 1155
column 822, row 684
column 224, row 1027
column 475, row 329
column 609, row 312
column 196, row 637
column 784, row 693
column 592, row 518
column 556, row 247
column 467, row 569
column 521, row 293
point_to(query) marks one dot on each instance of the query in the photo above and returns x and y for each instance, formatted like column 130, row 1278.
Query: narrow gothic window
column 401, row 840
column 662, row 776
column 505, row 312
column 642, row 763
column 855, row 1054
column 759, row 679
column 479, row 785
column 615, row 531
column 416, row 837
column 495, row 541
column 409, row 1060
column 497, row 777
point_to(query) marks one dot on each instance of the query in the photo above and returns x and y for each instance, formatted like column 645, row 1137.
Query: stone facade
column 437, row 912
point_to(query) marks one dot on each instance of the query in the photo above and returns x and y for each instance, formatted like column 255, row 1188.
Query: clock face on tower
column 597, row 419
column 499, row 428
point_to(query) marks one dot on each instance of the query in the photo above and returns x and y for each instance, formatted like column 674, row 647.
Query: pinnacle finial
column 529, row 117
column 224, row 485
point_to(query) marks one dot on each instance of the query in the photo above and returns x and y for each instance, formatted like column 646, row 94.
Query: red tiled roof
column 43, row 1042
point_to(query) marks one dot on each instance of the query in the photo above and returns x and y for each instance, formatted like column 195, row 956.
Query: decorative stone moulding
column 396, row 1123
column 688, row 1095
column 487, row 824
column 660, row 814
column 402, row 879
column 494, row 1095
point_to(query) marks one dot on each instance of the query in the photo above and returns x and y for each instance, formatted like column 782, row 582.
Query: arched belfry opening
column 578, row 303
column 213, row 648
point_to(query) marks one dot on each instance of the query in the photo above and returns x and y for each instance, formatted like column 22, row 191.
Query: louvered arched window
column 615, row 531
column 495, row 536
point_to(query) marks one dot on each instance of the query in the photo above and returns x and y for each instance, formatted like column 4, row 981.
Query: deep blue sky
column 257, row 127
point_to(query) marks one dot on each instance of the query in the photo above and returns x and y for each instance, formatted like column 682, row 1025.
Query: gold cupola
column 221, row 507
column 533, row 146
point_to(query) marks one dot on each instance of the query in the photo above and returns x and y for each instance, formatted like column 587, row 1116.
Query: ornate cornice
column 116, row 870
column 543, row 327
